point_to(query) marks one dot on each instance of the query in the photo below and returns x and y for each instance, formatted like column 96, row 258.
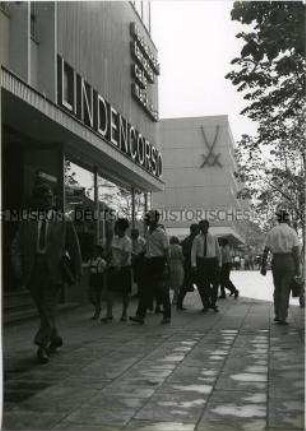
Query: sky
column 196, row 43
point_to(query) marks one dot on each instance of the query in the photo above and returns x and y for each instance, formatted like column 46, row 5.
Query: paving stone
column 19, row 419
column 99, row 417
column 140, row 425
column 284, row 414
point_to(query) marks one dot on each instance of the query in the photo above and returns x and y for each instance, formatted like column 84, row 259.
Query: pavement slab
column 235, row 370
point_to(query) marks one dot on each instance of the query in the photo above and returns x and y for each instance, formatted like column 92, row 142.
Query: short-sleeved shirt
column 138, row 245
column 226, row 254
column 119, row 247
column 96, row 265
column 281, row 239
column 156, row 243
column 212, row 247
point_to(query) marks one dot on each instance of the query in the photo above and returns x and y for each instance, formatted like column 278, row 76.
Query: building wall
column 94, row 37
column 188, row 185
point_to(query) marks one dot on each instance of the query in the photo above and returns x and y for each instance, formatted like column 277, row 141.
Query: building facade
column 79, row 110
column 198, row 171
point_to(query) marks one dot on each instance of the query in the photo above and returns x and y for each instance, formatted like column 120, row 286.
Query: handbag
column 296, row 287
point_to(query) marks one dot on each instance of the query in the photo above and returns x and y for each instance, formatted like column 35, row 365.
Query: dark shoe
column 96, row 315
column 222, row 296
column 181, row 308
column 158, row 310
column 123, row 319
column 204, row 310
column 215, row 308
column 236, row 294
column 42, row 355
column 276, row 319
column 231, row 294
column 165, row 321
column 54, row 345
column 137, row 319
column 106, row 319
column 282, row 322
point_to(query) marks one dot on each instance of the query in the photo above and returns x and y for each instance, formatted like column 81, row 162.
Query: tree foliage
column 270, row 73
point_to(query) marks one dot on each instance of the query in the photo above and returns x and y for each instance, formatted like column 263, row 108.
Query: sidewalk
column 228, row 371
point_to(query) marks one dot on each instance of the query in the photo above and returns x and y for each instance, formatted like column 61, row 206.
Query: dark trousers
column 283, row 271
column 45, row 294
column 154, row 285
column 225, row 281
column 207, row 280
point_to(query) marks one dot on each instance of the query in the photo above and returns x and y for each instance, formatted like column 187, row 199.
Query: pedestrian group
column 46, row 254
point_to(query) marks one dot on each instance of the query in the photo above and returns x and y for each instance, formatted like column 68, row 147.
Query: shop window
column 80, row 205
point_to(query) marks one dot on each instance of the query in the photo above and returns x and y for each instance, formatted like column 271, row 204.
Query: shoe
column 137, row 319
column 215, row 308
column 276, row 319
column 165, row 321
column 96, row 315
column 106, row 319
column 158, row 310
column 123, row 319
column 181, row 308
column 231, row 294
column 204, row 310
column 54, row 345
column 282, row 322
column 42, row 355
column 236, row 294
column 222, row 296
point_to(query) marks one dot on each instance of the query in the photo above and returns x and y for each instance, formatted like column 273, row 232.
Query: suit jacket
column 61, row 237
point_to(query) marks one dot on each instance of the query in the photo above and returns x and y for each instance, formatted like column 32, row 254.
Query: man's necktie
column 205, row 245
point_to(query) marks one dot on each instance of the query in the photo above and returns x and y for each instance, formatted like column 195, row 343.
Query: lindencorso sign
column 85, row 103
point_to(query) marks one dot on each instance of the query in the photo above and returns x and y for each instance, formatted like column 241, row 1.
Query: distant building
column 198, row 170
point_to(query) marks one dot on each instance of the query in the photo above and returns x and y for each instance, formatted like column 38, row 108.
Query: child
column 119, row 273
column 96, row 267
column 176, row 260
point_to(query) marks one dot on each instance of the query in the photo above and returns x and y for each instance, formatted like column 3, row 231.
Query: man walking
column 38, row 252
column 282, row 241
column 187, row 285
column 156, row 260
column 205, row 261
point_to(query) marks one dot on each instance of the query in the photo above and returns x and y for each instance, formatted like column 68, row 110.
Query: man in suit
column 206, row 262
column 38, row 250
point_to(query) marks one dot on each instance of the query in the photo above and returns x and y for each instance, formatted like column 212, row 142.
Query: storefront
column 78, row 111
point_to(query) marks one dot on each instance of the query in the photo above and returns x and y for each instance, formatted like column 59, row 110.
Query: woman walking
column 176, row 262
column 225, row 281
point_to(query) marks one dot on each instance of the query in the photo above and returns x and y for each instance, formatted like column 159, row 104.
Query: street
column 232, row 370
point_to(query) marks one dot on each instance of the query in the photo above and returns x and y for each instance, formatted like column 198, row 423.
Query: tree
column 270, row 73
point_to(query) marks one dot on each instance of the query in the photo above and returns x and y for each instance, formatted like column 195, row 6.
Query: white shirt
column 96, row 265
column 138, row 245
column 121, row 246
column 156, row 243
column 281, row 239
column 212, row 247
